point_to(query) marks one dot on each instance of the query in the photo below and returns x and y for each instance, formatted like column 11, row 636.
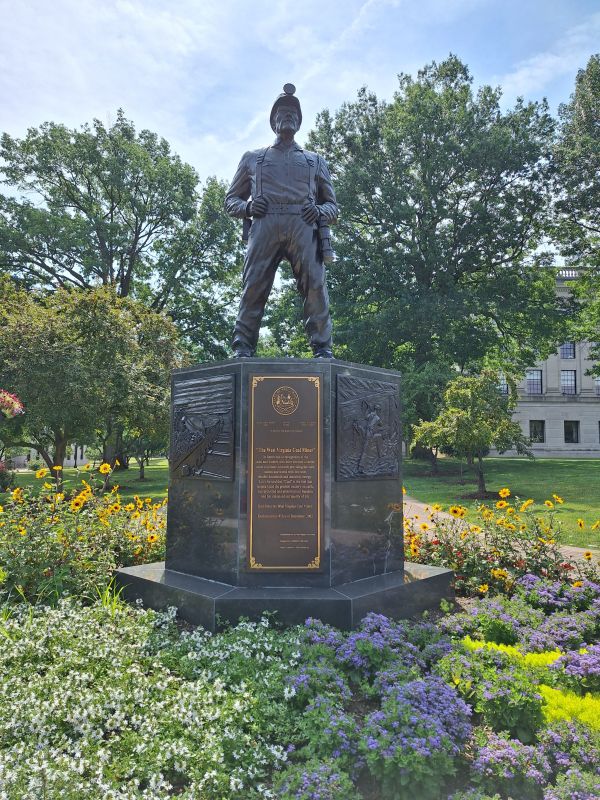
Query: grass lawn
column 154, row 485
column 577, row 481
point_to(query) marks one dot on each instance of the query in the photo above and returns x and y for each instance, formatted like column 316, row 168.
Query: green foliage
column 575, row 784
column 112, row 206
column 443, row 197
column 52, row 545
column 322, row 778
column 501, row 692
column 577, row 163
column 492, row 547
column 567, row 705
column 88, row 710
column 87, row 362
column 474, row 418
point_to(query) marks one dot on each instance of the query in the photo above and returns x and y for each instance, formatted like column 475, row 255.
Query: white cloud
column 203, row 74
column 535, row 74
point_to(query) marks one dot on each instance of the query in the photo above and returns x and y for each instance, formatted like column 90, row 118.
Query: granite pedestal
column 285, row 495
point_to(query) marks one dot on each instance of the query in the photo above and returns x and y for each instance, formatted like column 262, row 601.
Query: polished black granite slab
column 207, row 522
column 209, row 571
column 202, row 602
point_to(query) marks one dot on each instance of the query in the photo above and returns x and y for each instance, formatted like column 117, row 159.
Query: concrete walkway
column 414, row 508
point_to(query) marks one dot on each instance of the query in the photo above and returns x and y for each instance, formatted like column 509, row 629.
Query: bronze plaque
column 284, row 480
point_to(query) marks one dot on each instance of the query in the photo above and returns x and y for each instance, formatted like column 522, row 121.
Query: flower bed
column 68, row 540
column 108, row 701
column 491, row 549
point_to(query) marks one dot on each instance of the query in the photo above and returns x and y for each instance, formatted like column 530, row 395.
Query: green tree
column 577, row 207
column 109, row 206
column 443, row 199
column 475, row 417
column 86, row 363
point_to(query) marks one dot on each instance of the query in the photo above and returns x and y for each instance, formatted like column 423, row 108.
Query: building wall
column 555, row 407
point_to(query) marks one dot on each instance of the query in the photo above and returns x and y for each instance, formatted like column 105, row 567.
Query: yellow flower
column 523, row 527
column 526, row 505
column 596, row 525
column 129, row 507
column 587, row 555
column 424, row 526
column 1, row 509
column 577, row 584
column 115, row 508
column 17, row 494
column 21, row 530
column 580, row 524
column 475, row 528
column 48, row 485
column 403, row 490
column 41, row 473
column 483, row 588
column 76, row 504
column 57, row 468
column 152, row 537
column 117, row 462
column 87, row 466
column 500, row 574
column 510, row 510
column 549, row 503
column 59, row 497
column 137, row 550
column 503, row 493
column 558, row 499
column 501, row 504
column 135, row 515
column 436, row 507
column 104, row 468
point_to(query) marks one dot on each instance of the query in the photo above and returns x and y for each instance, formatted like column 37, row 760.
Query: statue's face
column 286, row 118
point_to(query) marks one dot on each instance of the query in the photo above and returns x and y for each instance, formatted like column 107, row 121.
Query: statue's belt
column 285, row 208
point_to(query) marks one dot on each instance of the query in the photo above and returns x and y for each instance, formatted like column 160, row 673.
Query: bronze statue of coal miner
column 285, row 197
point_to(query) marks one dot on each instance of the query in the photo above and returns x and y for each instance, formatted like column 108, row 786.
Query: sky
column 204, row 73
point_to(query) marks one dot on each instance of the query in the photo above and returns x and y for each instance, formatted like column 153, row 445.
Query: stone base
column 204, row 602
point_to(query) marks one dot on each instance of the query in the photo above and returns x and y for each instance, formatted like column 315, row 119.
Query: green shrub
column 58, row 542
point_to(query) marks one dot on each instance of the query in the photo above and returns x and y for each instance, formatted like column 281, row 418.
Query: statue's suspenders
column 259, row 165
column 311, row 169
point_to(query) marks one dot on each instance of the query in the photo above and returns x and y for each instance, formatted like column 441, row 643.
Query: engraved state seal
column 285, row 400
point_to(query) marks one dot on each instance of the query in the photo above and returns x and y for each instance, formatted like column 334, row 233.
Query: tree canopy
column 443, row 200
column 474, row 417
column 85, row 363
column 113, row 207
column 577, row 189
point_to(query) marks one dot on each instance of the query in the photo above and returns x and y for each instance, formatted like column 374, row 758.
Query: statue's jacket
column 287, row 176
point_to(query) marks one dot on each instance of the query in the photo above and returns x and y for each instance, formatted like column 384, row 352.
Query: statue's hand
column 310, row 213
column 258, row 207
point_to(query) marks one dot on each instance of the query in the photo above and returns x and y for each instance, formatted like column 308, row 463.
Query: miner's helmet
column 287, row 96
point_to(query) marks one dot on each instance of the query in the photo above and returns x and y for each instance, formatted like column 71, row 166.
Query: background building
column 559, row 405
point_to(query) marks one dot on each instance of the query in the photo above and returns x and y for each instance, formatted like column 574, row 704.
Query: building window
column 534, row 381
column 502, row 384
column 537, row 431
column 567, row 350
column 568, row 381
column 597, row 386
column 571, row 431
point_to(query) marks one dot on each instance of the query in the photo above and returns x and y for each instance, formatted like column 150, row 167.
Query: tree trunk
column 60, row 451
column 142, row 465
column 481, row 490
column 434, row 461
